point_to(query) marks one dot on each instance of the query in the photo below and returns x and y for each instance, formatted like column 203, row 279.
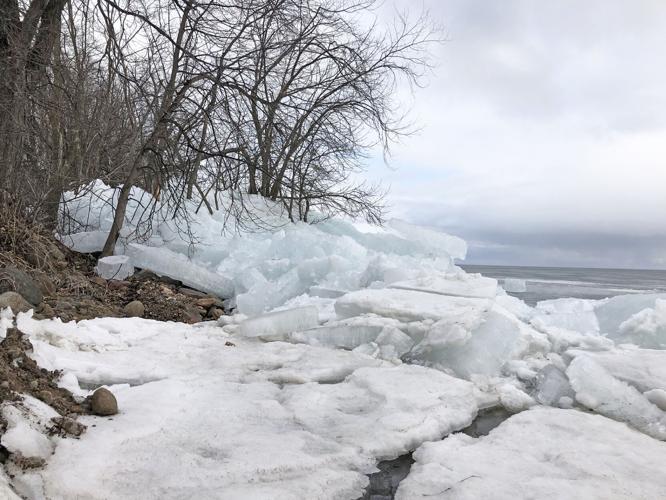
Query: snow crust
column 542, row 453
column 200, row 418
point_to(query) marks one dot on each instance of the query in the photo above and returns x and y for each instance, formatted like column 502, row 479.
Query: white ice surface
column 209, row 416
column 541, row 454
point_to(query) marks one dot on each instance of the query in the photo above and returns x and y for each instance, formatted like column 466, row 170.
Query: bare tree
column 185, row 99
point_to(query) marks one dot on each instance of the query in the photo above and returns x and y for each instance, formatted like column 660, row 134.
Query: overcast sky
column 543, row 132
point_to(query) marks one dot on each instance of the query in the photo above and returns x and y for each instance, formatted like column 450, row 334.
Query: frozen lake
column 545, row 283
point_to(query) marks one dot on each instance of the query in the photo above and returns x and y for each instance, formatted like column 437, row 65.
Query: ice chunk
column 349, row 335
column 85, row 242
column 570, row 314
column 479, row 347
column 177, row 266
column 552, row 386
column 516, row 306
column 514, row 285
column 278, row 324
column 434, row 242
column 646, row 328
column 116, row 267
column 459, row 286
column 540, row 453
column 613, row 312
column 326, row 293
column 266, row 295
column 513, row 399
column 407, row 305
column 645, row 369
column 598, row 390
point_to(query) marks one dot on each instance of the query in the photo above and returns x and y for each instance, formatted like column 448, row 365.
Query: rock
column 192, row 315
column 193, row 293
column 98, row 280
column 15, row 301
column 57, row 254
column 170, row 281
column 117, row 284
column 64, row 305
column 215, row 313
column 46, row 310
column 134, row 309
column 15, row 280
column 145, row 274
column 45, row 284
column 206, row 302
column 103, row 403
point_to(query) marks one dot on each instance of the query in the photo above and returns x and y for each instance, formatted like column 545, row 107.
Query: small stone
column 169, row 281
column 117, row 284
column 145, row 274
column 193, row 293
column 192, row 315
column 98, row 280
column 64, row 305
column 206, row 302
column 15, row 301
column 5, row 385
column 103, row 402
column 34, row 384
column 46, row 310
column 134, row 309
column 215, row 313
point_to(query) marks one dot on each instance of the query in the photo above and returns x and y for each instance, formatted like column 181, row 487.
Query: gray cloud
column 543, row 134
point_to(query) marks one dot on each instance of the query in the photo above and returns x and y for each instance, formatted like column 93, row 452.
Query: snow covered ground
column 349, row 345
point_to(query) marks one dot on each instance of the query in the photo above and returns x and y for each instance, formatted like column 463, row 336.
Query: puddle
column 486, row 421
column 384, row 484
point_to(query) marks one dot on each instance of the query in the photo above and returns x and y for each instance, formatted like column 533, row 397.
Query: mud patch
column 19, row 374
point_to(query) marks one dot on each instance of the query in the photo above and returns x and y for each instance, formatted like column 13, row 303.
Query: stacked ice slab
column 260, row 258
